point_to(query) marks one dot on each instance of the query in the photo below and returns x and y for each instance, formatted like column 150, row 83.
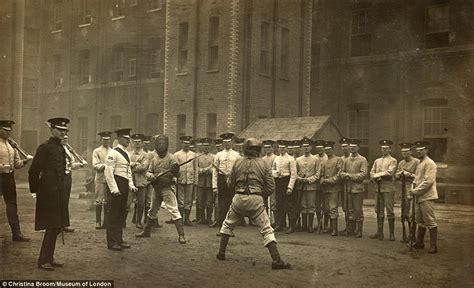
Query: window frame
column 264, row 68
column 183, row 39
column 285, row 53
column 213, row 44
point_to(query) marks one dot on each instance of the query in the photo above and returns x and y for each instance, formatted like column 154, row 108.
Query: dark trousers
column 292, row 207
column 48, row 246
column 116, row 217
column 8, row 189
column 281, row 185
column 224, row 198
column 67, row 189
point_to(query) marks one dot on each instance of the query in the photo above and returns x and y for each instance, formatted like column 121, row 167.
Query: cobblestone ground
column 318, row 260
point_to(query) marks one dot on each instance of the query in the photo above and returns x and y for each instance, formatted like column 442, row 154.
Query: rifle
column 380, row 212
column 413, row 223
column 161, row 174
column 403, row 207
column 217, row 168
column 321, row 213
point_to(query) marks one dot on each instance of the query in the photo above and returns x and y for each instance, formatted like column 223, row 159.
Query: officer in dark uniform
column 250, row 179
column 46, row 179
column 10, row 160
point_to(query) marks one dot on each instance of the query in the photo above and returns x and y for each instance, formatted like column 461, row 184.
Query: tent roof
column 287, row 128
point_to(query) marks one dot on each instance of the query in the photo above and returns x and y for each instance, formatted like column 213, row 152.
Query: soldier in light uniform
column 346, row 153
column 284, row 172
column 139, row 164
column 320, row 205
column 355, row 171
column 332, row 183
column 383, row 174
column 118, row 174
column 203, row 169
column 218, row 145
column 148, row 147
column 185, row 184
column 251, row 179
column 238, row 144
column 268, row 158
column 9, row 161
column 425, row 194
column 223, row 162
column 218, row 148
column 406, row 174
column 99, row 157
column 308, row 173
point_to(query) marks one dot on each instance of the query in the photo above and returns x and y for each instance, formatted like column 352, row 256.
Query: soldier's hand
column 133, row 189
column 289, row 191
column 115, row 193
column 33, row 195
column 214, row 190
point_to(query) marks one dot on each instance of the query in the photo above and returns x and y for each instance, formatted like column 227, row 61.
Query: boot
column 433, row 240
column 344, row 232
column 156, row 223
column 187, row 222
column 291, row 228
column 124, row 225
column 134, row 217
column 17, row 236
column 404, row 233
column 310, row 223
column 179, row 228
column 351, row 224
column 147, row 208
column 138, row 217
column 277, row 263
column 106, row 217
column 202, row 217
column 334, row 227
column 326, row 228
column 379, row 234
column 304, row 221
column 319, row 219
column 98, row 214
column 298, row 224
column 420, row 238
column 146, row 230
column 222, row 247
column 391, row 228
column 209, row 216
column 359, row 226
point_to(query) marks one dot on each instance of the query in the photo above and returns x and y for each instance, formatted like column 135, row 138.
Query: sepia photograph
column 237, row 143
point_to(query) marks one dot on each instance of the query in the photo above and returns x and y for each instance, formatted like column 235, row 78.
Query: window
column 183, row 47
column 285, row 47
column 437, row 26
column 117, row 63
column 132, row 68
column 360, row 33
column 358, row 127
column 57, row 66
column 153, row 5
column 264, row 47
column 115, row 122
column 57, row 16
column 30, row 93
column 211, row 125
column 82, row 134
column 118, row 8
column 152, row 124
column 154, row 45
column 85, row 12
column 84, row 62
column 180, row 127
column 435, row 127
column 213, row 52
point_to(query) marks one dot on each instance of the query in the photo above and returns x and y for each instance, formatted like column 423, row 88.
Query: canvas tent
column 293, row 128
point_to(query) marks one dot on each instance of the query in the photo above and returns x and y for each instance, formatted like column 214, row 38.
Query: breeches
column 356, row 211
column 331, row 204
column 205, row 198
column 386, row 202
column 185, row 196
column 308, row 201
column 101, row 190
column 167, row 196
column 425, row 214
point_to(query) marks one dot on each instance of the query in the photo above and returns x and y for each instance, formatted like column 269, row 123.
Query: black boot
column 304, row 222
column 209, row 216
column 146, row 230
column 222, row 247
column 138, row 217
column 291, row 228
column 179, row 228
column 134, row 217
column 334, row 227
column 350, row 229
column 310, row 223
column 379, row 234
column 98, row 214
column 359, row 226
column 391, row 229
column 433, row 240
column 187, row 221
column 200, row 219
column 420, row 244
column 17, row 236
column 326, row 228
column 404, row 233
column 319, row 216
column 277, row 262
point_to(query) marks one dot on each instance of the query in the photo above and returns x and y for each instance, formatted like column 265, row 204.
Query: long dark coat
column 46, row 179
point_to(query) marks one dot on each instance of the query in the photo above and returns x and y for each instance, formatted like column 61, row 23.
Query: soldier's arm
column 291, row 184
column 373, row 170
column 17, row 162
column 36, row 167
column 214, row 172
column 109, row 172
column 337, row 176
column 363, row 167
column 142, row 165
column 96, row 163
column 318, row 171
column 269, row 182
column 392, row 166
column 399, row 171
column 275, row 172
column 428, row 179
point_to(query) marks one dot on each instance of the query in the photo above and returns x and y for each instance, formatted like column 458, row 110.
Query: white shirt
column 224, row 160
column 116, row 164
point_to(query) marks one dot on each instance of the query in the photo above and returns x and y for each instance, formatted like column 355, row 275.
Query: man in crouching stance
column 251, row 180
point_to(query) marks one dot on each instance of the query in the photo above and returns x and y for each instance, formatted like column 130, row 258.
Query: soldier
column 284, row 172
column 139, row 164
column 198, row 151
column 148, row 147
column 10, row 160
column 251, row 179
column 205, row 197
column 218, row 144
column 238, row 144
column 223, row 162
column 425, row 193
column 118, row 175
column 268, row 158
column 332, row 184
column 71, row 164
column 406, row 173
column 163, row 165
column 344, row 142
column 46, row 180
column 383, row 174
column 185, row 179
column 320, row 200
column 355, row 171
column 308, row 173
column 99, row 157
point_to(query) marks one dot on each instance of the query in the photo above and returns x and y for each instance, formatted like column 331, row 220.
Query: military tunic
column 332, row 183
column 284, row 172
column 185, row 179
column 425, row 192
column 408, row 168
column 308, row 173
column 384, row 168
column 355, row 168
